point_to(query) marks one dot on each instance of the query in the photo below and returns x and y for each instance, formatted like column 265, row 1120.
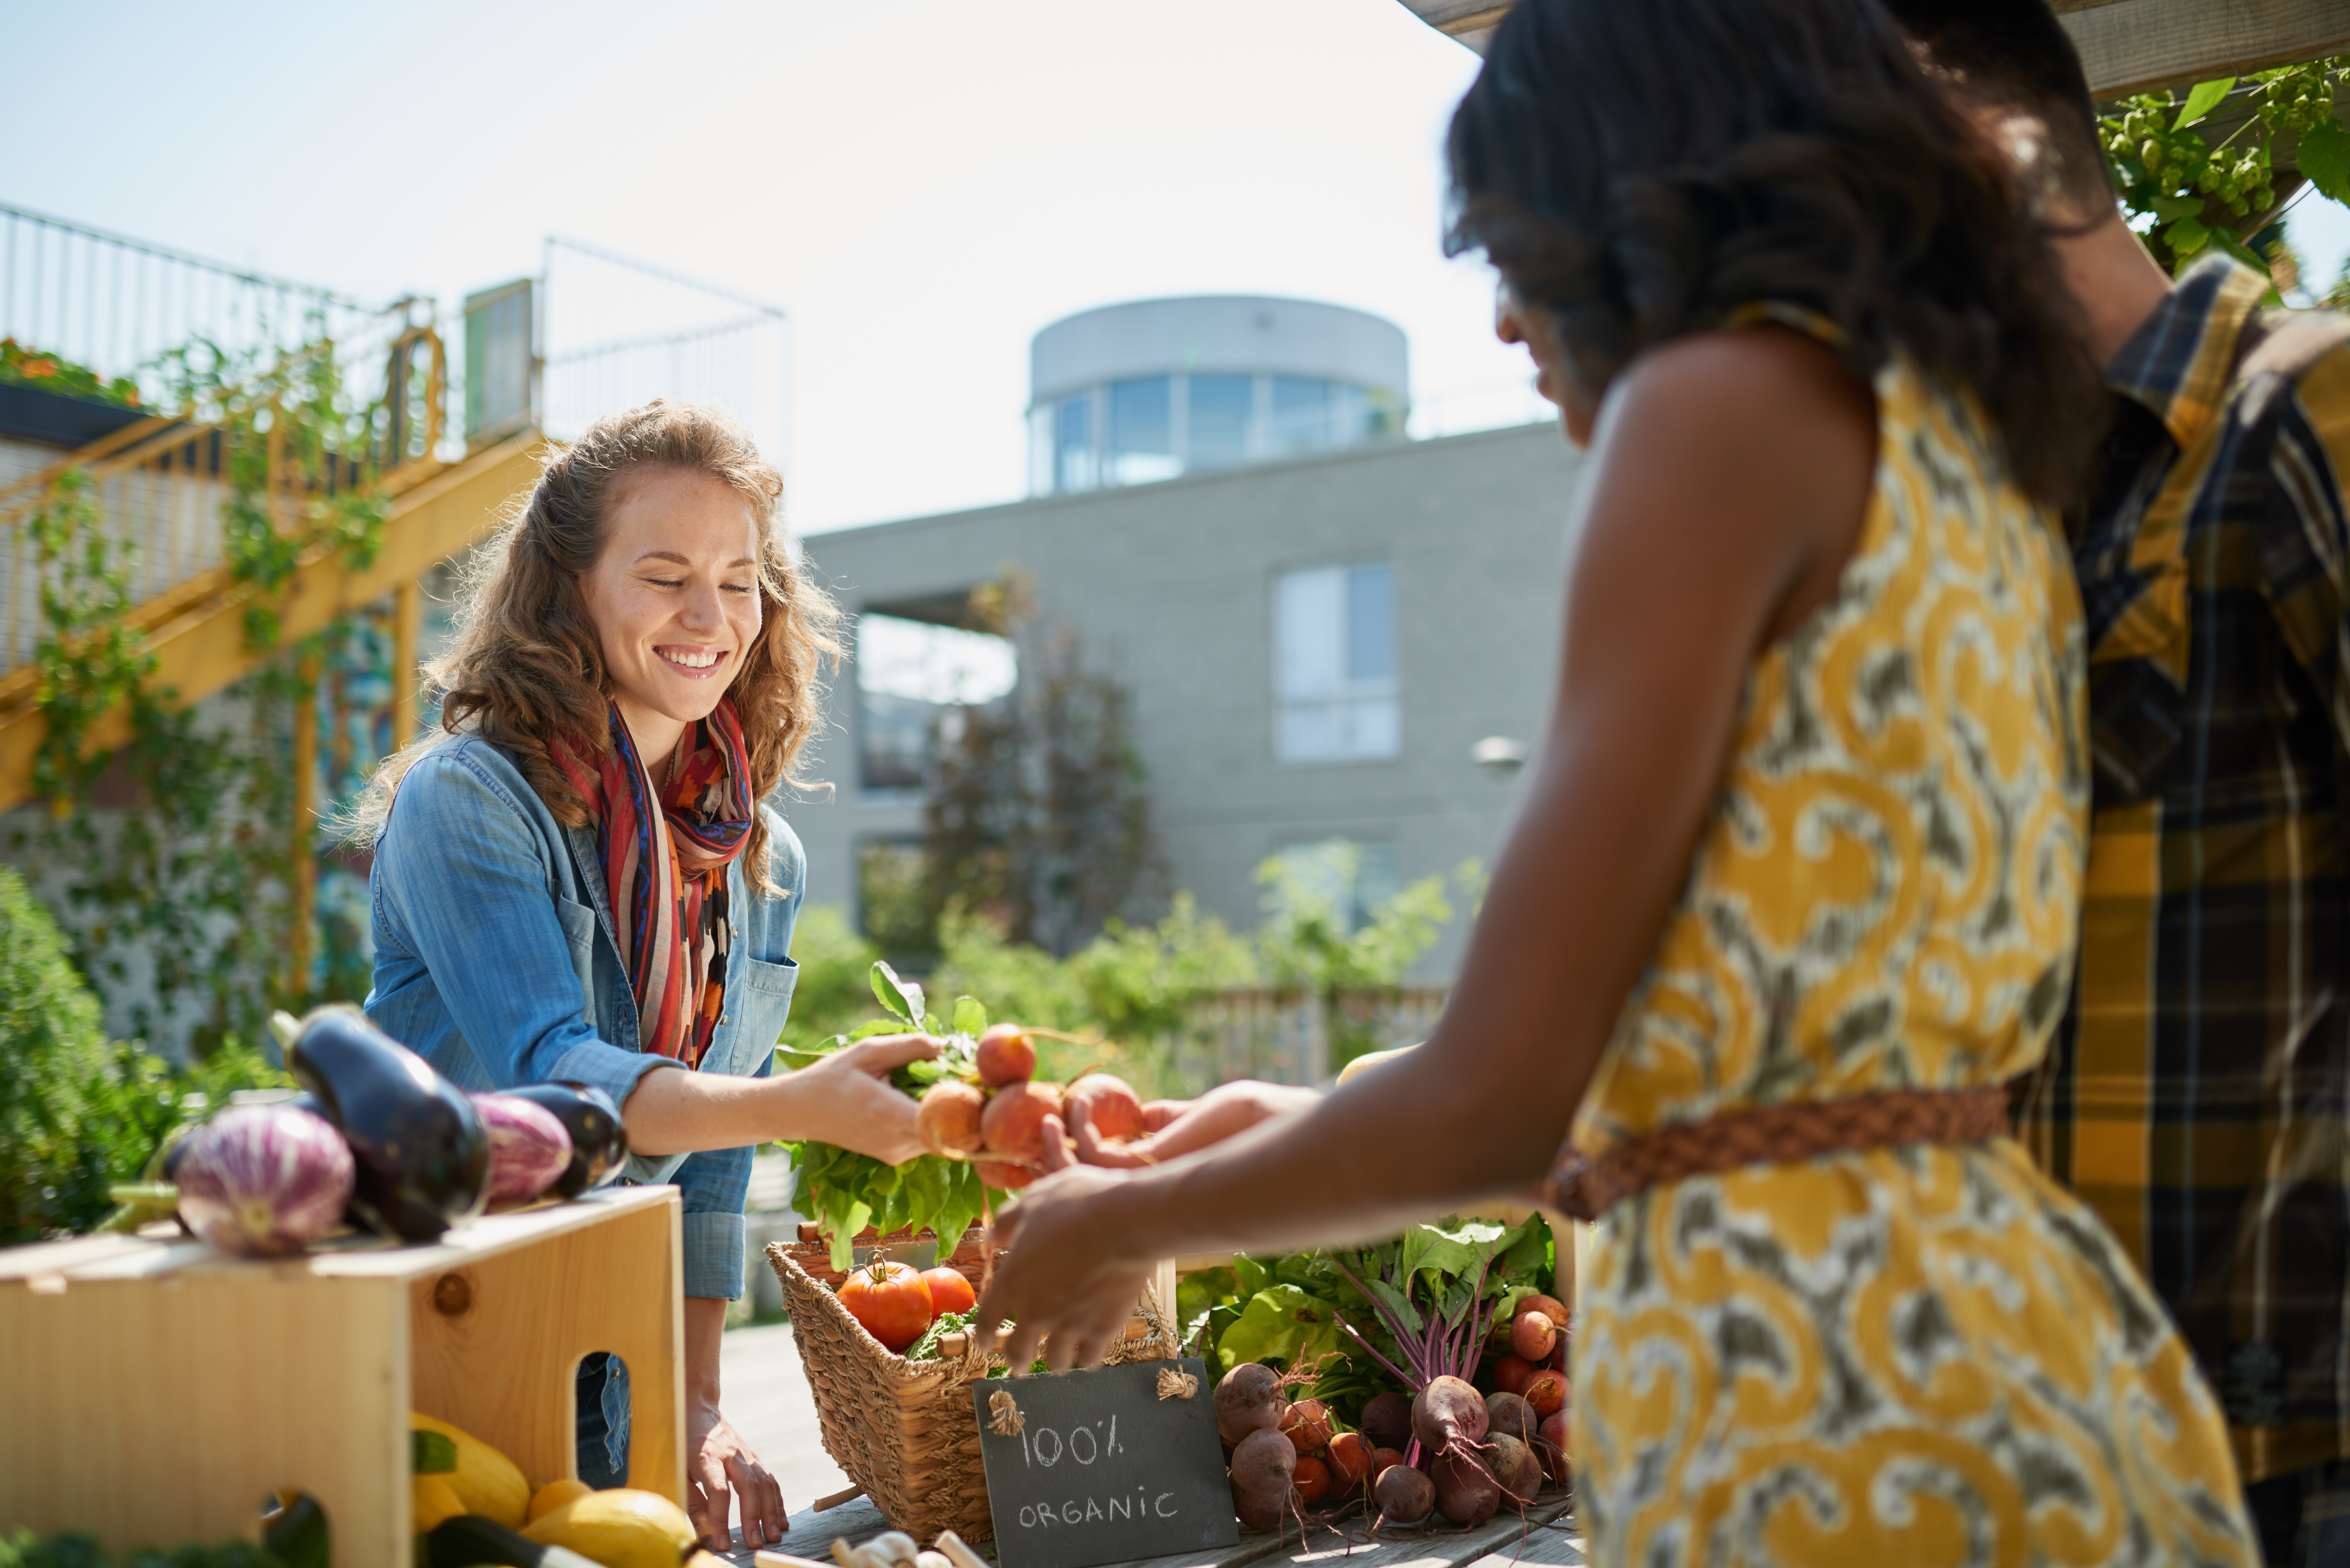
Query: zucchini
column 469, row 1540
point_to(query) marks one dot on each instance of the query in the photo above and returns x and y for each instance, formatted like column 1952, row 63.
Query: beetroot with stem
column 1404, row 1496
column 1515, row 1468
column 1450, row 1412
column 1248, row 1399
column 1306, row 1424
column 1312, row 1480
column 1264, row 1462
column 1261, row 1511
column 1349, row 1458
column 1383, row 1460
column 1508, row 1413
column 1533, row 1335
column 1466, row 1492
column 1386, row 1420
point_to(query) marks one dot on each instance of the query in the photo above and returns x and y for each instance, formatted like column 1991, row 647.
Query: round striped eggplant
column 529, row 1150
column 261, row 1180
column 599, row 1145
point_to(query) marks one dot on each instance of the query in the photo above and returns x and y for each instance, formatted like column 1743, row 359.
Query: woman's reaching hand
column 1069, row 1285
column 846, row 1099
column 1180, row 1126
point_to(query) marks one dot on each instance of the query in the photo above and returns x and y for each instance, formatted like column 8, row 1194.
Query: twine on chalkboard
column 1176, row 1385
column 1004, row 1418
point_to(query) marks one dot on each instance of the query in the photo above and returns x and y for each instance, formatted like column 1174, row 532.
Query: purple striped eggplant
column 529, row 1148
column 262, row 1181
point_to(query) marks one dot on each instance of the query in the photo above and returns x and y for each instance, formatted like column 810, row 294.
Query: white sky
column 922, row 184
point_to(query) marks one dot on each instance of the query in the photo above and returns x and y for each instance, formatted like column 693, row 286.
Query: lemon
column 554, row 1494
column 435, row 1501
column 485, row 1480
column 622, row 1528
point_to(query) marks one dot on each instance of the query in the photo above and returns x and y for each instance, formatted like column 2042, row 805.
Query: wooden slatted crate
column 154, row 1391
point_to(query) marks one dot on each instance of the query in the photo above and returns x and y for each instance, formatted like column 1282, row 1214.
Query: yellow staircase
column 148, row 489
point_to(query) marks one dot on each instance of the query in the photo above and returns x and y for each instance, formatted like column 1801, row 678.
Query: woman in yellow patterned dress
column 1795, row 887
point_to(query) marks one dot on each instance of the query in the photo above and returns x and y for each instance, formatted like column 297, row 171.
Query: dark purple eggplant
column 423, row 1155
column 599, row 1142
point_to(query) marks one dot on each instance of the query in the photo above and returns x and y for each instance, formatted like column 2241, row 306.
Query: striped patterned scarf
column 666, row 873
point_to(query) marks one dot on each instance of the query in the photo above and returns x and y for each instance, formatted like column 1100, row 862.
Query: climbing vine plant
column 187, row 897
column 2200, row 194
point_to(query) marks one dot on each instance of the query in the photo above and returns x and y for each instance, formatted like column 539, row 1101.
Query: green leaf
column 2324, row 157
column 2171, row 209
column 903, row 997
column 877, row 1026
column 2202, row 100
column 1282, row 1323
column 969, row 1016
column 432, row 1453
column 1197, row 1293
column 2186, row 237
column 843, row 1235
column 1395, row 1302
column 1249, row 1275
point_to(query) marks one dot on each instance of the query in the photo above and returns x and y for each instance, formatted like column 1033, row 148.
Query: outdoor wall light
column 1499, row 756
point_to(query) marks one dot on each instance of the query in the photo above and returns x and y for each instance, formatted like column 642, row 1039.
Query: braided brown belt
column 1774, row 1135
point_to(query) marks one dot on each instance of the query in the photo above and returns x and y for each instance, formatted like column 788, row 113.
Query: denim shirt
column 495, row 961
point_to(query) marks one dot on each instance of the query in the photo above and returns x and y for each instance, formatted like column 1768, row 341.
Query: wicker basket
column 905, row 1430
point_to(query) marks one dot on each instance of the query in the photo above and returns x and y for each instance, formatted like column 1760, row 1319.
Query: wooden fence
column 1289, row 1037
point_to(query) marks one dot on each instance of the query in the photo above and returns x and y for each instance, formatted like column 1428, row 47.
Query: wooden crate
column 154, row 1391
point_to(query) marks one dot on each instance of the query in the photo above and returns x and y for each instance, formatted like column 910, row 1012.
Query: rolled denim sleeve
column 475, row 902
column 713, row 1185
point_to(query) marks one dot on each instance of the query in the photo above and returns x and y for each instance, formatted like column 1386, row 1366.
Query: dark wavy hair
column 1641, row 168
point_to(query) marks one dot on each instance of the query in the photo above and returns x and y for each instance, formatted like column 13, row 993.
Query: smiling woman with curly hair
column 580, row 880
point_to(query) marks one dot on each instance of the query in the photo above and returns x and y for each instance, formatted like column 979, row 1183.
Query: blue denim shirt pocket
column 580, row 931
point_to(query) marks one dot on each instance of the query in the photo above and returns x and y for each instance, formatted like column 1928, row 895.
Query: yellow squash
column 435, row 1501
column 485, row 1480
column 554, row 1494
column 622, row 1528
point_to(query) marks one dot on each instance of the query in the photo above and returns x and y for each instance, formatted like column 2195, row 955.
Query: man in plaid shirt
column 2196, row 1094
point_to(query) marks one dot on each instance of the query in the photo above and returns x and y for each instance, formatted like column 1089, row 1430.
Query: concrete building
column 1315, row 647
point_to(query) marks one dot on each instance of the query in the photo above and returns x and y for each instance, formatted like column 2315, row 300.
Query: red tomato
column 890, row 1300
column 950, row 1291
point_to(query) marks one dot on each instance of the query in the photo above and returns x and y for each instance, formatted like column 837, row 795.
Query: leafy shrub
column 79, row 1113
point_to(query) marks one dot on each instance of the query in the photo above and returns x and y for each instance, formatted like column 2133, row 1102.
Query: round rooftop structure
column 1132, row 393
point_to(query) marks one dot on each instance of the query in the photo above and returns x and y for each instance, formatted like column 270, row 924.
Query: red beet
column 1248, row 1399
column 1546, row 1391
column 1382, row 1459
column 1261, row 1511
column 1007, row 1055
column 1533, row 1335
column 1404, row 1496
column 1549, row 1307
column 1109, row 1104
column 1013, row 1126
column 1510, row 1372
column 1448, row 1411
column 1558, row 1355
column 1313, row 1478
column 1554, row 1447
column 1306, row 1425
column 1386, row 1420
column 1003, row 1178
column 1508, row 1413
column 1349, row 1458
column 1465, row 1494
column 947, row 1118
column 1515, row 1468
column 1264, row 1462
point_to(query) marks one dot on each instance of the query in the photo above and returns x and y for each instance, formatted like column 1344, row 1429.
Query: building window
column 1222, row 408
column 1150, row 428
column 1335, row 665
column 1301, row 416
column 912, row 675
column 1142, row 432
column 1073, row 442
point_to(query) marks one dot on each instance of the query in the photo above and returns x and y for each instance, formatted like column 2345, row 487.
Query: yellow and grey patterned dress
column 1929, row 1356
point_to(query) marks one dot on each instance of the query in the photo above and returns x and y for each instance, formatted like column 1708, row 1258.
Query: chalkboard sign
column 1097, row 1467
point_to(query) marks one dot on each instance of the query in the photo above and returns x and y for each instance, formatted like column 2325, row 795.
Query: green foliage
column 25, row 1550
column 1293, row 1311
column 831, row 996
column 22, row 365
column 2198, row 195
column 77, row 1114
column 198, row 879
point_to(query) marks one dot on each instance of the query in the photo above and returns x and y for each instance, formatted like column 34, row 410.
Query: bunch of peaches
column 994, row 1115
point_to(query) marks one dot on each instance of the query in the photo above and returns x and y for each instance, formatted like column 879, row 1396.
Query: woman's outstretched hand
column 847, row 1098
column 1063, row 1279
column 1180, row 1126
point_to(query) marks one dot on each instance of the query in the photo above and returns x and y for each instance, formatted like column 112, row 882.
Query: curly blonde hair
column 527, row 666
